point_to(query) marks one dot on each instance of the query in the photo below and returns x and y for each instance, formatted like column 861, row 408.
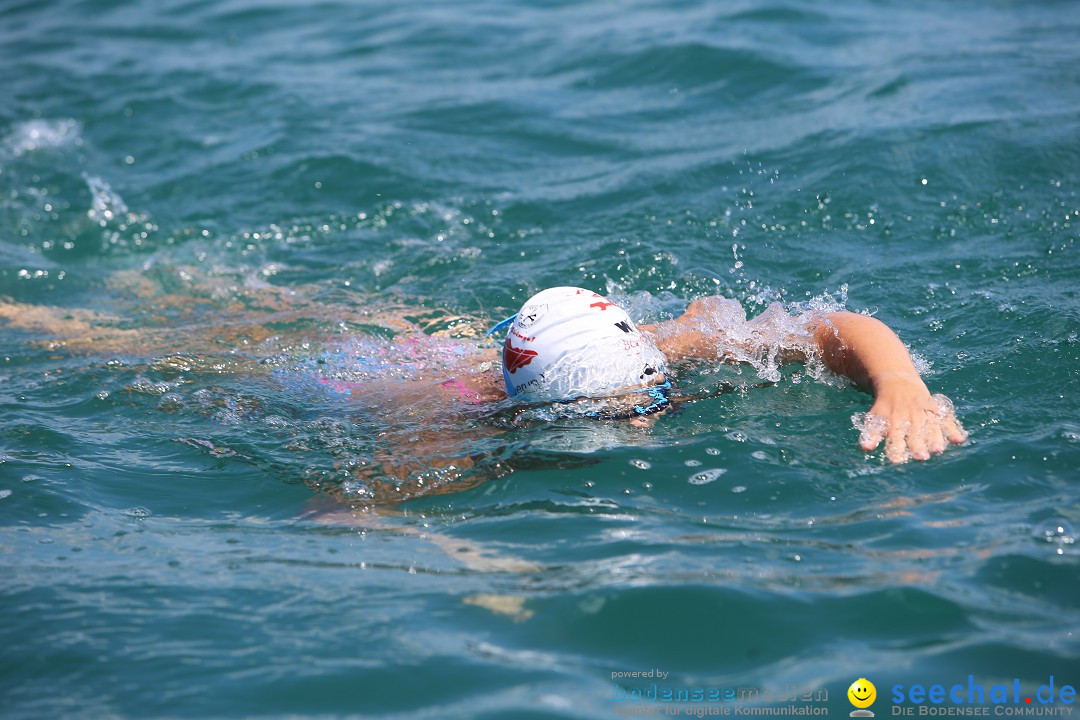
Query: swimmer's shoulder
column 477, row 385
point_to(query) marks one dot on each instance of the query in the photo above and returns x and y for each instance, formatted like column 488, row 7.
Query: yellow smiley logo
column 862, row 695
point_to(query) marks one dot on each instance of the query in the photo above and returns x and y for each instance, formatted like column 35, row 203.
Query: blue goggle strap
column 499, row 327
column 658, row 393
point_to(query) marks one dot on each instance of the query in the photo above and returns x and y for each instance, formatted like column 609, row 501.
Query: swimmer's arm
column 861, row 348
column 715, row 328
column 867, row 352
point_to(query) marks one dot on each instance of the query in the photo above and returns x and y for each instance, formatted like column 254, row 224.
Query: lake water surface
column 215, row 193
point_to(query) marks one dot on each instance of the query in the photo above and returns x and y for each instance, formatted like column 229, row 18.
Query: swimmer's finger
column 916, row 435
column 916, row 442
column 954, row 431
column 869, row 440
column 896, row 449
column 935, row 438
column 871, row 429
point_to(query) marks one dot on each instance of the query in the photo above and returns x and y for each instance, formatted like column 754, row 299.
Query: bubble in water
column 5, row 494
column 692, row 463
column 759, row 455
column 738, row 489
column 354, row 490
column 641, row 464
column 712, row 451
column 706, row 476
column 592, row 605
column 137, row 512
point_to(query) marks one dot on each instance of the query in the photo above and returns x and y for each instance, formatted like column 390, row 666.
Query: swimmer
column 439, row 399
column 431, row 400
column 575, row 348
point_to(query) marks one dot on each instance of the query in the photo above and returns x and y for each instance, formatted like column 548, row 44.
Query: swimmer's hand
column 912, row 422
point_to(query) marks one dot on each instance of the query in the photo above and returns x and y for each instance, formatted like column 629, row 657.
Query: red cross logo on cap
column 515, row 358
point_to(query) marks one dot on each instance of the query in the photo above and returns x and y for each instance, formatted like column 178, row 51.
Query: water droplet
column 641, row 464
column 1058, row 532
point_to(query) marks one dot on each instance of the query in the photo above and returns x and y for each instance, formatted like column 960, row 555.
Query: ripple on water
column 595, row 141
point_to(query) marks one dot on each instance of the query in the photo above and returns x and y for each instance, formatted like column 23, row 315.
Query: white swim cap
column 569, row 343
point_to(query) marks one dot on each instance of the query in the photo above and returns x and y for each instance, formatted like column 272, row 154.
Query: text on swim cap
column 518, row 335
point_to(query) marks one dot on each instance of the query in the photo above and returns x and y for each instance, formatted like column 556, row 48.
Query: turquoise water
column 198, row 199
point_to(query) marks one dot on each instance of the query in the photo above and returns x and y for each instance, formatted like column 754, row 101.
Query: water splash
column 871, row 427
column 120, row 227
column 781, row 333
column 105, row 204
column 26, row 137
